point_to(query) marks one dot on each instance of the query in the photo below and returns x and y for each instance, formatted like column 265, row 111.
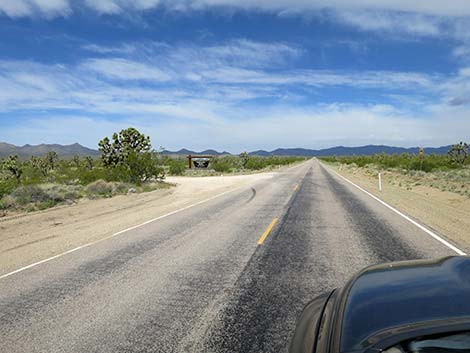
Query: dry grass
column 454, row 180
column 438, row 199
column 39, row 197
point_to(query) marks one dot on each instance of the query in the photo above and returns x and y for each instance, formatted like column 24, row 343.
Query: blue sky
column 236, row 74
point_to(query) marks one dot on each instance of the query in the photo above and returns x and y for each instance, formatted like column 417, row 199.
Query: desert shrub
column 120, row 188
column 87, row 176
column 255, row 163
column 406, row 162
column 221, row 164
column 229, row 163
column 7, row 202
column 142, row 167
column 60, row 193
column 177, row 166
column 29, row 194
column 46, row 204
column 99, row 187
column 7, row 186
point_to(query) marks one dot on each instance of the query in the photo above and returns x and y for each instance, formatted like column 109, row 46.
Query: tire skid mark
column 379, row 236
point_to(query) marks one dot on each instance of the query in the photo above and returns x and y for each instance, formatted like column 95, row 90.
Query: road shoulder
column 443, row 212
column 38, row 236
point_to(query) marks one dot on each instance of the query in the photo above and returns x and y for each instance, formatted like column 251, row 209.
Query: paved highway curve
column 198, row 281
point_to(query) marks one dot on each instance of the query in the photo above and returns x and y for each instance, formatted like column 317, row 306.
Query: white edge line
column 118, row 233
column 424, row 229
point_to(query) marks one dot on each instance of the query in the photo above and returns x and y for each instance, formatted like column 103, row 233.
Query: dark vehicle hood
column 404, row 293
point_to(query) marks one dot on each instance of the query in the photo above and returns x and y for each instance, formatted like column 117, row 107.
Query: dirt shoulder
column 445, row 212
column 36, row 236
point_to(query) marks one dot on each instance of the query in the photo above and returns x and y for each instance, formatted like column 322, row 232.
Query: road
column 198, row 281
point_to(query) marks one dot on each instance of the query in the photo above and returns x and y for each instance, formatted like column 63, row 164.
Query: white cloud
column 174, row 77
column 414, row 18
column 320, row 78
column 104, row 6
column 123, row 69
column 46, row 8
column 244, row 52
column 122, row 49
column 239, row 53
column 430, row 7
column 454, row 8
column 52, row 7
column 185, row 93
column 465, row 72
column 310, row 127
column 415, row 24
column 462, row 53
column 15, row 8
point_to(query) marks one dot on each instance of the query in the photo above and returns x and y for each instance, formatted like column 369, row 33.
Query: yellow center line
column 267, row 231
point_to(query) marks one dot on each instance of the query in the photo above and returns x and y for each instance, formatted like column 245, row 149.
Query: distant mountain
column 350, row 151
column 333, row 151
column 262, row 153
column 186, row 152
column 66, row 151
column 63, row 151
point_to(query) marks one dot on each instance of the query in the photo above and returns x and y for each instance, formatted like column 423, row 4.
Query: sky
column 236, row 75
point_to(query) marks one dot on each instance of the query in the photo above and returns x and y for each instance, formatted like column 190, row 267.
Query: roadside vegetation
column 449, row 172
column 228, row 164
column 127, row 164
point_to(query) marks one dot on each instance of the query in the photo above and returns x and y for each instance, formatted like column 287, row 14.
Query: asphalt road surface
column 198, row 281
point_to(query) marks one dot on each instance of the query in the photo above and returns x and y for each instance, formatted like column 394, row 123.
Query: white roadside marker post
column 380, row 181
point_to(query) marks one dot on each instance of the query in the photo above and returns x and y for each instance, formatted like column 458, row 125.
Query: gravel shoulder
column 36, row 236
column 446, row 213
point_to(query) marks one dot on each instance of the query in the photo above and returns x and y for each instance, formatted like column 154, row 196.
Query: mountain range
column 333, row 151
column 66, row 151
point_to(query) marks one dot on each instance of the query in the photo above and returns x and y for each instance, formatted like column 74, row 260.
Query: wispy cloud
column 15, row 8
column 392, row 22
column 122, row 69
column 44, row 8
column 204, row 97
column 398, row 17
column 121, row 49
column 268, row 129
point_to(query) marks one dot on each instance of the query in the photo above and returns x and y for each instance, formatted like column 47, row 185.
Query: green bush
column 7, row 186
column 87, row 176
column 221, row 164
column 256, row 163
column 177, row 166
column 46, row 204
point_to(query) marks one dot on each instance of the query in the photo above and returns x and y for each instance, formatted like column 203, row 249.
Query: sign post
column 202, row 165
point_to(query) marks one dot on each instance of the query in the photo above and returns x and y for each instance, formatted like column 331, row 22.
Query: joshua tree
column 244, row 156
column 12, row 165
column 130, row 154
column 128, row 142
column 51, row 158
column 459, row 152
column 89, row 162
column 76, row 161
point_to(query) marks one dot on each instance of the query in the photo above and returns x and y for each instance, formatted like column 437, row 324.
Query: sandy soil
column 445, row 212
column 36, row 236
